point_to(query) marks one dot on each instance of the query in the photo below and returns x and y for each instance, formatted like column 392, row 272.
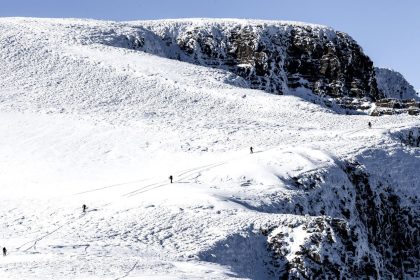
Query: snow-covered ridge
column 165, row 38
column 275, row 56
column 393, row 85
column 229, row 22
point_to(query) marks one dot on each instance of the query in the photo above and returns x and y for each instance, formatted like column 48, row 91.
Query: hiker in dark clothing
column 370, row 124
column 4, row 251
column 251, row 150
column 418, row 141
column 84, row 208
column 171, row 178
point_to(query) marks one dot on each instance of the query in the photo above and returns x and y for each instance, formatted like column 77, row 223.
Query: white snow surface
column 394, row 85
column 87, row 123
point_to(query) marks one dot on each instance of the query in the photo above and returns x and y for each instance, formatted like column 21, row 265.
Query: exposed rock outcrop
column 277, row 57
column 392, row 106
column 365, row 231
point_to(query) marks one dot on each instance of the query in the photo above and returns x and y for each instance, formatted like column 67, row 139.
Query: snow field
column 82, row 122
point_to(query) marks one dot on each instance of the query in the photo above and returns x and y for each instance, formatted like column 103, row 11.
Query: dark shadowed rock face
column 392, row 229
column 364, row 230
column 277, row 57
column 336, row 67
column 392, row 106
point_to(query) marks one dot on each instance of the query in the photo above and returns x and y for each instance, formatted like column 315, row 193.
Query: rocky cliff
column 366, row 232
column 277, row 57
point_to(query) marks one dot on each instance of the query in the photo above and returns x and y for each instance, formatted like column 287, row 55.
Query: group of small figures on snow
column 411, row 140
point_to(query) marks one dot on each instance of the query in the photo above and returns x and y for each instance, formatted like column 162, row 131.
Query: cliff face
column 365, row 231
column 277, row 57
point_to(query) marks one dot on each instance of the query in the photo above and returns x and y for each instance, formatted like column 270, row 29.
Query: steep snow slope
column 393, row 85
column 84, row 122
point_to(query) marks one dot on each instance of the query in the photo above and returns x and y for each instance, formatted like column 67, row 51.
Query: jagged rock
column 392, row 106
column 409, row 137
column 377, row 236
column 393, row 229
column 415, row 111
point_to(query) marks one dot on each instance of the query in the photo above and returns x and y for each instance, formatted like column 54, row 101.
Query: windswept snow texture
column 393, row 85
column 84, row 122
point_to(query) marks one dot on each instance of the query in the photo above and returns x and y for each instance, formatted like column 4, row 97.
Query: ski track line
column 35, row 241
column 146, row 190
column 186, row 172
column 185, row 175
column 129, row 194
column 196, row 169
column 81, row 225
column 350, row 132
column 140, row 180
column 128, row 272
column 183, row 172
column 112, row 186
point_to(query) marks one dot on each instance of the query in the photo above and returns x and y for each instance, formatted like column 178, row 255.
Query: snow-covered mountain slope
column 85, row 122
column 277, row 57
column 393, row 85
